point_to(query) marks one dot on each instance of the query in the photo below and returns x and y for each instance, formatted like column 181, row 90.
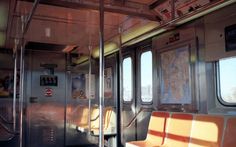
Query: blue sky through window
column 227, row 69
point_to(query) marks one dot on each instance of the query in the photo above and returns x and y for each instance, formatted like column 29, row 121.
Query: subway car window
column 227, row 80
column 146, row 77
column 127, row 79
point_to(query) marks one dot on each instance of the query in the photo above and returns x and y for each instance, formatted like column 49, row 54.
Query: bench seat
column 230, row 133
column 156, row 131
column 188, row 130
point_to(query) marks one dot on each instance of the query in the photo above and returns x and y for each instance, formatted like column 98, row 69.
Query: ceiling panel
column 58, row 25
column 142, row 1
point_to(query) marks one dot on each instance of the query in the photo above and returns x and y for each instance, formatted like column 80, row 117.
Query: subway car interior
column 117, row 73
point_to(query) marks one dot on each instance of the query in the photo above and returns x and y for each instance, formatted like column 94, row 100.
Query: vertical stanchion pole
column 101, row 74
column 172, row 9
column 24, row 28
column 89, row 88
column 15, row 56
column 119, row 131
column 21, row 99
column 67, row 79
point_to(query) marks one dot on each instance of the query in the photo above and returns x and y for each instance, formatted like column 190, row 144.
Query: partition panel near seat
column 156, row 131
column 207, row 131
column 178, row 130
column 106, row 118
column 230, row 133
column 84, row 116
column 109, row 123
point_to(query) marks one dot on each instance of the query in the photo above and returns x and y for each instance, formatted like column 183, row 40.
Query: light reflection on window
column 146, row 76
column 227, row 77
column 127, row 79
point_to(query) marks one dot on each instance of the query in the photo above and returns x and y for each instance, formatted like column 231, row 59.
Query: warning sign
column 48, row 92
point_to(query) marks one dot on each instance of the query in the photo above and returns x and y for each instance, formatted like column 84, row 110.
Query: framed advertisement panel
column 80, row 86
column 108, row 78
column 175, row 84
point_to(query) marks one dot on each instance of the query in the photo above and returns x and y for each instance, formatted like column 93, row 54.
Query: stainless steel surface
column 15, row 54
column 28, row 21
column 67, row 75
column 21, row 97
column 24, row 26
column 119, row 108
column 128, row 109
column 142, row 119
column 215, row 26
column 89, row 91
column 45, row 118
column 21, row 91
column 101, row 74
column 214, row 50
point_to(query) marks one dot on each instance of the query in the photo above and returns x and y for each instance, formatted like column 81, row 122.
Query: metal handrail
column 101, row 73
column 93, row 119
column 5, row 120
column 136, row 116
column 8, row 130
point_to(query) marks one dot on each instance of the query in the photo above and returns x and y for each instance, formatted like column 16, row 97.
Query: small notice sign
column 48, row 92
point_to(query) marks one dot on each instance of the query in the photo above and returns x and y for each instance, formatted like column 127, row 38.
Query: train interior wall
column 206, row 42
column 48, row 121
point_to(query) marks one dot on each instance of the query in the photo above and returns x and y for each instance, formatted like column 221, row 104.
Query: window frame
column 140, row 77
column 218, row 90
column 132, row 80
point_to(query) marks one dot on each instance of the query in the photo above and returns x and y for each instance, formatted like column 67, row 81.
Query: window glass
column 227, row 80
column 146, row 76
column 127, row 79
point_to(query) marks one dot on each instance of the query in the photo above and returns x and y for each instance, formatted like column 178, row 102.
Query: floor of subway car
column 80, row 139
column 13, row 142
column 86, row 145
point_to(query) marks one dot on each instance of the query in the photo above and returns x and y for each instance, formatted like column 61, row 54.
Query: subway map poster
column 175, row 76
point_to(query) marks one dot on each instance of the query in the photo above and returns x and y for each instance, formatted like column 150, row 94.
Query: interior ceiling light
column 82, row 59
column 146, row 36
column 112, row 47
column 109, row 48
column 137, row 31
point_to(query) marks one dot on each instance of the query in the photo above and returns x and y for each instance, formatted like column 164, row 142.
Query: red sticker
column 48, row 92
